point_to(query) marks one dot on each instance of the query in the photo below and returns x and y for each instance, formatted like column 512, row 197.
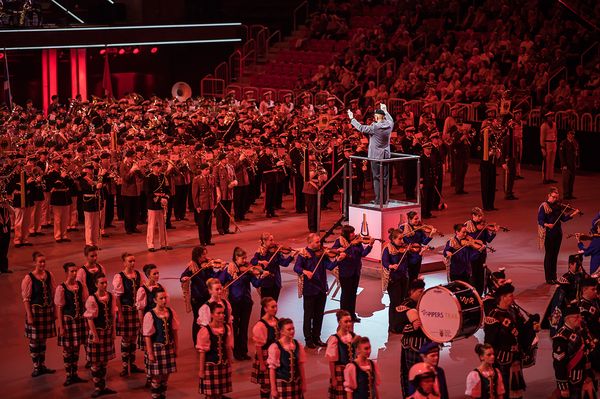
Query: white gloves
column 350, row 114
column 383, row 107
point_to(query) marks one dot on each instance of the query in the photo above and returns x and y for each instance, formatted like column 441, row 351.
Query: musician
column 205, row 198
column 551, row 214
column 430, row 354
column 394, row 260
column 241, row 191
column 22, row 211
column 509, row 163
column 160, row 329
column 241, row 274
column 269, row 167
column 38, row 198
column 264, row 334
column 502, row 328
column 413, row 233
column 6, row 212
column 570, row 281
column 286, row 363
column 349, row 269
column 297, row 157
column 460, row 255
column 269, row 256
column 428, row 180
column 156, row 187
column 340, row 352
column 129, row 172
column 439, row 154
column 93, row 202
column 592, row 250
column 226, row 181
column 109, row 189
column 478, row 229
column 489, row 154
column 310, row 266
column 571, row 348
column 59, row 183
column 548, row 136
column 125, row 286
column 589, row 306
column 379, row 147
column 461, row 152
column 517, row 128
column 37, row 292
column 69, row 301
column 413, row 337
column 569, row 161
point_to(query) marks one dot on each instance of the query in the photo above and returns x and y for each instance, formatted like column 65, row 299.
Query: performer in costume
column 589, row 306
column 264, row 334
column 216, row 292
column 361, row 375
column 340, row 352
column 412, row 234
column 430, row 354
column 422, row 376
column 394, row 260
column 459, row 255
column 478, row 230
column 592, row 250
column 485, row 381
column 86, row 275
column 69, row 300
column 265, row 256
column 286, row 364
column 37, row 291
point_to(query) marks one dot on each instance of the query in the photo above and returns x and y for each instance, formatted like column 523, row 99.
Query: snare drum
column 449, row 312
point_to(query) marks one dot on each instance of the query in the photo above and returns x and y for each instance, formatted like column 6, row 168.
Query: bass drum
column 449, row 312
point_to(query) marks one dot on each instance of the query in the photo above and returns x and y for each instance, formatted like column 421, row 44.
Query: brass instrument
column 23, row 13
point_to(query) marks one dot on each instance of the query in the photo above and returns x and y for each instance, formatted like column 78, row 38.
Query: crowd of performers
column 82, row 311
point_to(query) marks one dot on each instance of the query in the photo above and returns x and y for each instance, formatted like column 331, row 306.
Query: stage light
column 136, row 51
column 121, row 51
column 103, row 51
column 154, row 50
column 1, row 56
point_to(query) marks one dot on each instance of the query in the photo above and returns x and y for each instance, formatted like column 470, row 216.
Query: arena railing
column 271, row 40
column 301, row 7
column 351, row 94
column 555, row 75
column 212, row 87
column 567, row 120
column 235, row 66
column 222, row 72
column 389, row 64
column 594, row 50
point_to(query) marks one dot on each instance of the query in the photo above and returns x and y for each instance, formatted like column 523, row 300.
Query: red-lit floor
column 516, row 250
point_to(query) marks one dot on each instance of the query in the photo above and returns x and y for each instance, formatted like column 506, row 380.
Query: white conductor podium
column 375, row 218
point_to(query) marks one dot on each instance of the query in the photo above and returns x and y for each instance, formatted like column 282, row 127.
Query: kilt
column 217, row 379
column 141, row 342
column 164, row 360
column 336, row 387
column 130, row 326
column 103, row 351
column 257, row 376
column 75, row 332
column 43, row 326
column 291, row 390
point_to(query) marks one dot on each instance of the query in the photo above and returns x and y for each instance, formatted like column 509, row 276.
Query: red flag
column 106, row 82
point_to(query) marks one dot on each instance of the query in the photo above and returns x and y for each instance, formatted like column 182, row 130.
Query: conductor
column 379, row 148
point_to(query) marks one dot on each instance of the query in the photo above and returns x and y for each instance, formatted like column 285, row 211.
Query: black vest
column 218, row 346
column 225, row 310
column 40, row 290
column 150, row 297
column 163, row 328
column 90, row 279
column 489, row 386
column 104, row 319
column 345, row 351
column 288, row 364
column 271, row 334
column 73, row 301
column 365, row 382
column 130, row 287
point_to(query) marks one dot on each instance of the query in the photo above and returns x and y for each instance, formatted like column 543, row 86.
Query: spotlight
column 103, row 51
column 154, row 50
column 136, row 51
column 1, row 56
column 121, row 51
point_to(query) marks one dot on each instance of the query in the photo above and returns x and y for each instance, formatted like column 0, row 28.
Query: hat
column 88, row 165
column 286, row 95
column 410, row 129
column 429, row 347
column 434, row 136
column 268, row 92
column 355, row 100
column 427, row 105
column 331, row 98
column 576, row 258
column 427, row 145
column 505, row 289
column 421, row 370
column 204, row 166
column 105, row 155
column 417, row 284
column 517, row 111
column 455, row 107
column 163, row 151
column 379, row 112
column 572, row 309
column 490, row 110
column 588, row 282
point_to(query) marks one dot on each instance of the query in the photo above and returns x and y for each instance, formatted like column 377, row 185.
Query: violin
column 360, row 239
column 491, row 226
column 214, row 263
column 583, row 237
column 427, row 228
column 475, row 244
column 329, row 252
column 566, row 206
column 286, row 250
column 417, row 247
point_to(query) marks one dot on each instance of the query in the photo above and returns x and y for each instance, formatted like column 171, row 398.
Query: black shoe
column 68, row 381
column 66, row 240
column 129, row 232
column 46, row 370
column 229, row 232
column 110, row 226
column 310, row 345
column 7, row 271
column 136, row 231
column 519, row 178
column 72, row 229
column 135, row 369
column 552, row 181
column 124, row 372
column 511, row 198
column 20, row 245
column 151, row 249
column 462, row 192
column 166, row 248
column 320, row 343
column 148, row 383
column 245, row 357
column 36, row 372
column 75, row 379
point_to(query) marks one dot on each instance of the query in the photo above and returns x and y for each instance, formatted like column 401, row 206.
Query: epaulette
column 454, row 243
column 304, row 253
column 470, row 226
column 562, row 280
column 546, row 207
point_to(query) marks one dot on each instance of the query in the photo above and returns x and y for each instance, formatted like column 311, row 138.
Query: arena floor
column 516, row 250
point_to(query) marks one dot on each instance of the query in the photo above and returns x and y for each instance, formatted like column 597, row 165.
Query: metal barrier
column 222, row 72
column 261, row 44
column 271, row 42
column 558, row 72
column 535, row 117
column 597, row 123
column 567, row 120
column 590, row 50
column 248, row 59
column 301, row 6
column 351, row 92
column 389, row 64
column 395, row 105
column 212, row 87
column 586, row 122
column 235, row 66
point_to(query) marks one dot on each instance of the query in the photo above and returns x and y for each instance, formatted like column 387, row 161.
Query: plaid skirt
column 290, row 390
column 217, row 379
column 336, row 387
column 141, row 341
column 74, row 333
column 257, row 376
column 43, row 326
column 164, row 360
column 103, row 351
column 130, row 326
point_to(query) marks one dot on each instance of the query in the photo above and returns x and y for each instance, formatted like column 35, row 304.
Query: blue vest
column 345, row 351
column 104, row 318
column 73, row 301
column 150, row 297
column 271, row 334
column 40, row 290
column 130, row 286
column 218, row 347
column 288, row 364
column 163, row 329
column 365, row 382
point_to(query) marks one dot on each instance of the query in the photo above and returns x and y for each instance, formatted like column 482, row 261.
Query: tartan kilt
column 43, row 326
column 290, row 390
column 141, row 342
column 130, row 326
column 257, row 376
column 104, row 351
column 165, row 360
column 336, row 388
column 75, row 331
column 217, row 379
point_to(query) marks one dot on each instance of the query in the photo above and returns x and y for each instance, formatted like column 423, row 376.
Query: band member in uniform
column 502, row 327
column 264, row 334
column 6, row 212
column 317, row 177
column 428, row 181
column 413, row 233
column 215, row 344
column 478, row 229
column 157, row 197
column 226, row 181
column 422, row 377
column 240, row 274
column 485, row 381
column 205, row 199
column 459, row 255
column 349, row 269
column 517, row 128
column 589, row 306
column 379, row 147
column 394, row 260
column 86, row 275
column 125, row 286
column 430, row 354
column 569, row 160
column 269, row 168
column 340, row 352
column 272, row 262
column 92, row 204
column 548, row 136
column 509, row 164
column 314, row 286
column 413, row 337
column 37, row 291
column 22, row 219
column 69, row 299
column 361, row 375
column 100, row 309
column 571, row 348
column 592, row 250
column 130, row 192
column 160, row 330
column 59, row 183
column 297, row 157
column 461, row 151
column 286, row 364
column 551, row 214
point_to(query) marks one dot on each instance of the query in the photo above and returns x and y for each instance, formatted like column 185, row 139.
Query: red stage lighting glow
column 1, row 56
column 136, row 51
column 121, row 51
column 154, row 50
column 103, row 51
